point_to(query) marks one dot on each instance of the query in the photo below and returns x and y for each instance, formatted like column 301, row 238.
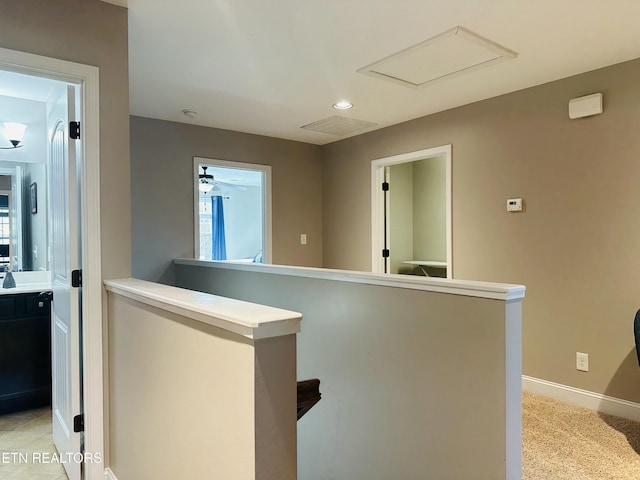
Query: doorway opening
column 411, row 213
column 60, row 219
column 232, row 209
column 44, row 373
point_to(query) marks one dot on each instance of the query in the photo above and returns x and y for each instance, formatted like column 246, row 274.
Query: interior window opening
column 232, row 221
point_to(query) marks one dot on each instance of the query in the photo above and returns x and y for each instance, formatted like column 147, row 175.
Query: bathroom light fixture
column 343, row 105
column 15, row 133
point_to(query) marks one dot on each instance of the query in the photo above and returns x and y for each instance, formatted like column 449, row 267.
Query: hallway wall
column 575, row 246
column 162, row 191
column 100, row 33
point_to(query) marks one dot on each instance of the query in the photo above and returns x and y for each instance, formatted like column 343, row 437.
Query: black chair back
column 636, row 332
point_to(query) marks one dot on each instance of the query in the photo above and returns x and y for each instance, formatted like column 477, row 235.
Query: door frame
column 87, row 79
column 378, row 201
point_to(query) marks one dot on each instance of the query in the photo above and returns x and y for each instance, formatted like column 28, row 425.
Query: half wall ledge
column 206, row 383
column 247, row 319
column 469, row 288
column 399, row 358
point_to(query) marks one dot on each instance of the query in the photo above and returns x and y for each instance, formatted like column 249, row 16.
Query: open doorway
column 40, row 368
column 411, row 213
column 58, row 156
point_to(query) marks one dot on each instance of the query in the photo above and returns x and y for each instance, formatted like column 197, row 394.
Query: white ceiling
column 26, row 87
column 23, row 99
column 271, row 67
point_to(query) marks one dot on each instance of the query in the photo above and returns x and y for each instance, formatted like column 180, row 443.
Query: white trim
column 250, row 320
column 513, row 391
column 109, row 475
column 497, row 291
column 386, row 232
column 378, row 176
column 582, row 398
column 87, row 77
column 92, row 275
column 377, row 201
column 267, row 234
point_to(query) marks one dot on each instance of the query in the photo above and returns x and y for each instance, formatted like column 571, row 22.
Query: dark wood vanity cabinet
column 25, row 352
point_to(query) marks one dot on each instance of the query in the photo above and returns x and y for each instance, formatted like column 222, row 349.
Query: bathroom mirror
column 23, row 216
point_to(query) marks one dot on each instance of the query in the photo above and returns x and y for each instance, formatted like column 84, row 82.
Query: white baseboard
column 582, row 398
column 108, row 475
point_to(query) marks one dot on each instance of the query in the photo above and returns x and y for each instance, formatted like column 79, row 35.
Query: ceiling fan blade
column 230, row 185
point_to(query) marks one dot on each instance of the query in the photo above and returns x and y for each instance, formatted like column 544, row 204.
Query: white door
column 65, row 309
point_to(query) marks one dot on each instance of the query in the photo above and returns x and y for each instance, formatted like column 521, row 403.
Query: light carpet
column 564, row 442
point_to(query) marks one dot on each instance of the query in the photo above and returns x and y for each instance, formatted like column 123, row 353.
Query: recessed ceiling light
column 342, row 105
column 189, row 113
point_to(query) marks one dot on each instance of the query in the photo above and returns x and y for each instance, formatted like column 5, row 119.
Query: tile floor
column 28, row 435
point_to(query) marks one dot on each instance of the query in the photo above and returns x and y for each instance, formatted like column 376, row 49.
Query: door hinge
column 385, row 186
column 385, row 253
column 78, row 423
column 76, row 278
column 74, row 130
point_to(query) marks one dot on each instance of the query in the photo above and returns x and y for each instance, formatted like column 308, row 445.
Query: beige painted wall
column 417, row 220
column 276, row 451
column 429, row 212
column 403, row 372
column 575, row 246
column 93, row 33
column 162, row 189
column 179, row 392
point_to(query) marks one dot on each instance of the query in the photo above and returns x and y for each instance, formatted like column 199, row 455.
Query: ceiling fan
column 207, row 182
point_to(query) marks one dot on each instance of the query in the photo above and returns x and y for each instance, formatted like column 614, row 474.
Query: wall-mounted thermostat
column 585, row 106
column 514, row 205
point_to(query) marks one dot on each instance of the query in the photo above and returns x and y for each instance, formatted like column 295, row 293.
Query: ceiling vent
column 451, row 53
column 337, row 125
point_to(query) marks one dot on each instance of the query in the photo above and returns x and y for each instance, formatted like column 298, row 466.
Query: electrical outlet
column 303, row 239
column 582, row 361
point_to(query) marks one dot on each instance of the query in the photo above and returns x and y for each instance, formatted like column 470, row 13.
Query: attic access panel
column 449, row 54
column 337, row 125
